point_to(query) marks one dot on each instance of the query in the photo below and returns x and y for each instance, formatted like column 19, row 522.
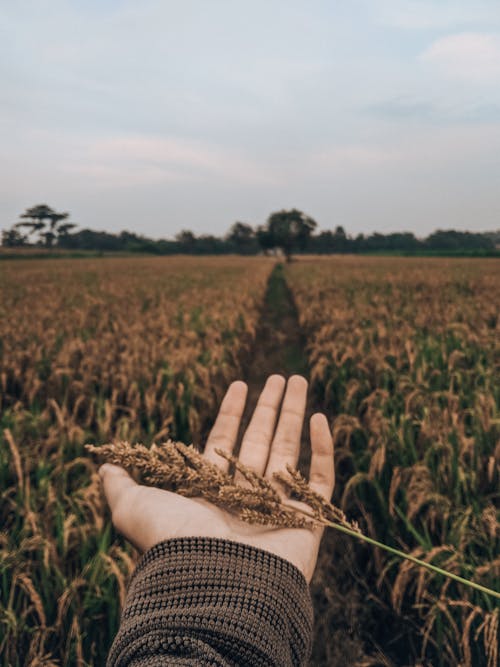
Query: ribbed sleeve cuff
column 211, row 601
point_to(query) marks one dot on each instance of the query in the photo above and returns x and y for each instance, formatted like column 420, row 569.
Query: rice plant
column 404, row 355
column 137, row 348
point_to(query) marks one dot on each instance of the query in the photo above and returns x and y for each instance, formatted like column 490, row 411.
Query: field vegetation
column 90, row 351
column 404, row 357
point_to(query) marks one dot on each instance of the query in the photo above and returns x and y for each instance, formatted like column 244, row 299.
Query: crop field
column 403, row 355
column 90, row 351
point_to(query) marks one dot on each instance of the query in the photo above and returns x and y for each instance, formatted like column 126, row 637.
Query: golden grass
column 139, row 348
column 177, row 467
column 405, row 357
column 181, row 469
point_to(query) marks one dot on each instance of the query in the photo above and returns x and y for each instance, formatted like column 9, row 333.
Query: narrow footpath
column 280, row 348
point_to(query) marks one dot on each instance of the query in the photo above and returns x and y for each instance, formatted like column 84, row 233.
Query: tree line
column 287, row 231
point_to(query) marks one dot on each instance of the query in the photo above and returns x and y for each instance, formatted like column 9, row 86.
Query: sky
column 156, row 116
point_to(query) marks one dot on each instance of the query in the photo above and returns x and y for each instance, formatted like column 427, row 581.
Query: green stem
column 402, row 554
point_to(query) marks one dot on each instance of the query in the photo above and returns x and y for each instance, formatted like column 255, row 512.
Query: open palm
column 146, row 515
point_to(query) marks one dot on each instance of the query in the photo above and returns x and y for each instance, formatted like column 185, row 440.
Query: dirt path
column 280, row 348
column 279, row 345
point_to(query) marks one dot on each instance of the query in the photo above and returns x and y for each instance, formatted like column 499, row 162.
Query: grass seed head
column 177, row 467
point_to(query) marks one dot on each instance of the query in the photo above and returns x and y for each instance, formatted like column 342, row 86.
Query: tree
column 288, row 230
column 186, row 240
column 45, row 221
column 264, row 239
column 11, row 238
column 323, row 243
column 88, row 239
column 242, row 237
column 341, row 242
column 453, row 240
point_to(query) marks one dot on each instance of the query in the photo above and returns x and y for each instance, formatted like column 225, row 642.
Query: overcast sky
column 154, row 116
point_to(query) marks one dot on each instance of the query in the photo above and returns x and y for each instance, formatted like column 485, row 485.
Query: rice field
column 93, row 350
column 403, row 356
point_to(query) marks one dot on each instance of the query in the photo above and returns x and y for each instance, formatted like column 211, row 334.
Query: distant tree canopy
column 453, row 240
column 287, row 230
column 88, row 239
column 12, row 238
column 243, row 238
column 291, row 231
column 47, row 223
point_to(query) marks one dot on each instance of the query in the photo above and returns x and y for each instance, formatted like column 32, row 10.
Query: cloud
column 402, row 108
column 469, row 57
column 432, row 15
column 196, row 114
column 353, row 156
column 436, row 111
column 431, row 149
column 142, row 160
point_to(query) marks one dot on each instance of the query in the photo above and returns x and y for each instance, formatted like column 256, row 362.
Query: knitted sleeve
column 210, row 601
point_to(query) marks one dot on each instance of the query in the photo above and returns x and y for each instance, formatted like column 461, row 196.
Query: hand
column 146, row 515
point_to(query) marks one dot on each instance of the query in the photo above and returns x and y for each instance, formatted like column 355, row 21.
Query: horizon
column 319, row 229
column 379, row 116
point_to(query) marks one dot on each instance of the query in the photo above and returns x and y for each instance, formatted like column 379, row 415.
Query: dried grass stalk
column 177, row 467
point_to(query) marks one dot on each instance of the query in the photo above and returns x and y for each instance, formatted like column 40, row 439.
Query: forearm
column 208, row 601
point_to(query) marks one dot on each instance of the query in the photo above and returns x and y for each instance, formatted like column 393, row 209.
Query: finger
column 116, row 482
column 225, row 430
column 322, row 473
column 256, row 442
column 285, row 447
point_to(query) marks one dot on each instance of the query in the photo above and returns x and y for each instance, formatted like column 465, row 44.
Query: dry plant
column 105, row 348
column 405, row 353
column 182, row 469
column 177, row 467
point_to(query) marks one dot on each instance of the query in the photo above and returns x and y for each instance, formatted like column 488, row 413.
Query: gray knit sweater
column 209, row 601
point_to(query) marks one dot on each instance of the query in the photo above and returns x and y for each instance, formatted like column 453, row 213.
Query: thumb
column 116, row 481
